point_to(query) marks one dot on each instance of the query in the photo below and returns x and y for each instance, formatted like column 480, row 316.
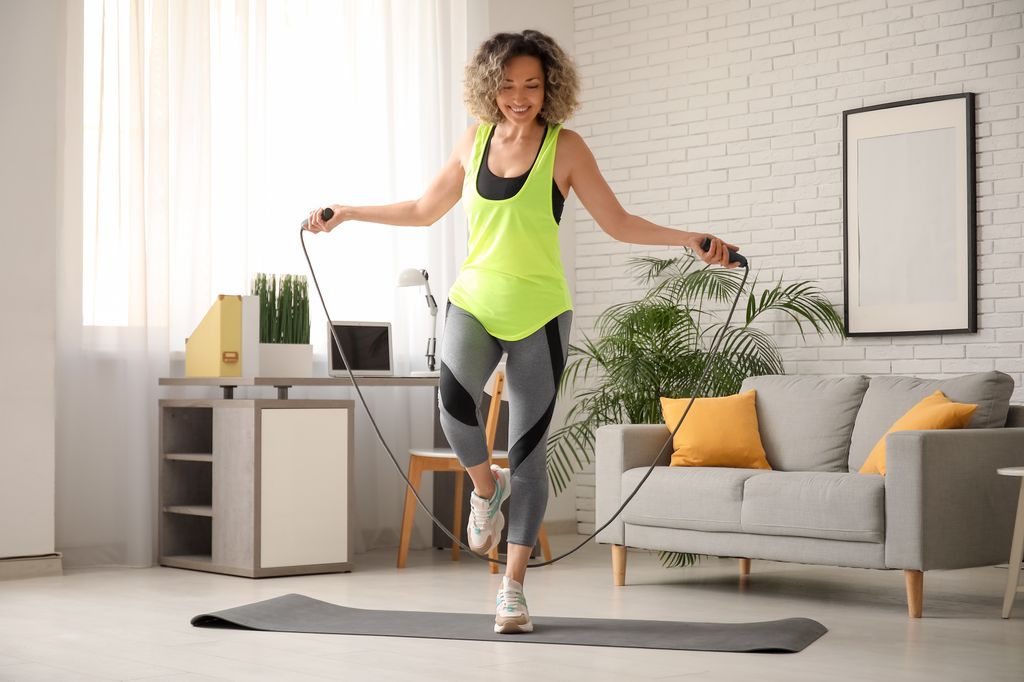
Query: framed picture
column 909, row 217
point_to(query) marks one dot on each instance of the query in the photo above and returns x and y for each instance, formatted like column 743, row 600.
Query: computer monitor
column 367, row 346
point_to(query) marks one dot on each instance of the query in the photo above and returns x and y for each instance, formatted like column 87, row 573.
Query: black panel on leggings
column 456, row 400
column 531, row 439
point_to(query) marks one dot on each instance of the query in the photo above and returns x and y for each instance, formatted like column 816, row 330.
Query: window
column 211, row 129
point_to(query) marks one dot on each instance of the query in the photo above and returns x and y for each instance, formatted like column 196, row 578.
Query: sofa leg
column 744, row 567
column 619, row 565
column 915, row 592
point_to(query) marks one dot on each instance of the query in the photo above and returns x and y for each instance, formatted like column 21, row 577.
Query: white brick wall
column 726, row 116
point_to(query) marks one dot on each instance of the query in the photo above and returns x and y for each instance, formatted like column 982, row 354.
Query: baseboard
column 561, row 527
column 41, row 566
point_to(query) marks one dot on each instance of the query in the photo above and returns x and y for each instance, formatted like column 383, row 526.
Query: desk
column 235, row 476
column 444, row 485
column 1017, row 547
column 255, row 488
column 282, row 384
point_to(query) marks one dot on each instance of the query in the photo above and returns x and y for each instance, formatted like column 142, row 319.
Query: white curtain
column 210, row 128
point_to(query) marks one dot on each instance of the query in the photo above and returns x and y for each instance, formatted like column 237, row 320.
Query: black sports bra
column 490, row 186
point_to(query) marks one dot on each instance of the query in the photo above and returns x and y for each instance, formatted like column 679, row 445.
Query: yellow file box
column 215, row 347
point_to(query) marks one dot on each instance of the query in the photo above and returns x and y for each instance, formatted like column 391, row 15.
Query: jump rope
column 734, row 257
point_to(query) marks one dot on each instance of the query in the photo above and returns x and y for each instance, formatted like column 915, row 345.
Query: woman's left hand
column 717, row 253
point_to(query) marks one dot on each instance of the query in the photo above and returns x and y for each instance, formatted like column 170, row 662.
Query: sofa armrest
column 945, row 505
column 619, row 448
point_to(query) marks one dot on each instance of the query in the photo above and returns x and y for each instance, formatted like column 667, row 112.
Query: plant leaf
column 658, row 346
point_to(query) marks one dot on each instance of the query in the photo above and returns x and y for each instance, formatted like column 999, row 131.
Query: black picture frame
column 909, row 217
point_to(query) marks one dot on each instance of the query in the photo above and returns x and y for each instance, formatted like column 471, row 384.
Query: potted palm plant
column 284, row 345
column 658, row 346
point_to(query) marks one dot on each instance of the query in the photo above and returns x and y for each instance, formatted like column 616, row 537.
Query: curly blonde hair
column 486, row 70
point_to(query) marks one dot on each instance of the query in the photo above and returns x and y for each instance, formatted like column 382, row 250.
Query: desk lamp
column 411, row 277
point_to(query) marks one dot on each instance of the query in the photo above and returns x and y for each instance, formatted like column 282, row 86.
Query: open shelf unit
column 256, row 488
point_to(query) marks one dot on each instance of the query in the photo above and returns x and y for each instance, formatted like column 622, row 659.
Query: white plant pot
column 286, row 360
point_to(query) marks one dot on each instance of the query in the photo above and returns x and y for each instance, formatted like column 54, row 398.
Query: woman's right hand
column 316, row 223
column 718, row 250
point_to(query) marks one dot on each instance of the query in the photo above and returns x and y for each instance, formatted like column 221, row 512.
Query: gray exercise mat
column 298, row 613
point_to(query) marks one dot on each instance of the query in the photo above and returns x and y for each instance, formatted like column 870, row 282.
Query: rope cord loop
column 712, row 352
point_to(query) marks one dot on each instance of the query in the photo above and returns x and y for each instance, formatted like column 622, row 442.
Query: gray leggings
column 534, row 367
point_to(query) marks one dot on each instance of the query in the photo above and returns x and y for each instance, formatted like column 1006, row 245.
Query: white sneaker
column 485, row 518
column 511, row 616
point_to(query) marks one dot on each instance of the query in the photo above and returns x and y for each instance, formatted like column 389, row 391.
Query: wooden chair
column 444, row 459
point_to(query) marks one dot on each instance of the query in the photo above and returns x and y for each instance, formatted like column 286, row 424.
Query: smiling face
column 521, row 94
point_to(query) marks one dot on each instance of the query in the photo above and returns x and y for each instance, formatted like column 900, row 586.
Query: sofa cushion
column 934, row 412
column 889, row 397
column 806, row 421
column 693, row 498
column 815, row 504
column 717, row 432
column 1015, row 417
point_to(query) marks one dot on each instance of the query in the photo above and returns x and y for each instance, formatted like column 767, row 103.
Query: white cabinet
column 256, row 488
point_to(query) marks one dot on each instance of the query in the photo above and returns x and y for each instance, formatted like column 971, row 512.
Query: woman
column 513, row 171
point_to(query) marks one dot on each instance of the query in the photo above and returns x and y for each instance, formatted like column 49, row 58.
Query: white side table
column 1017, row 547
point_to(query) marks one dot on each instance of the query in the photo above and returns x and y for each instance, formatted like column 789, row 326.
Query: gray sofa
column 941, row 505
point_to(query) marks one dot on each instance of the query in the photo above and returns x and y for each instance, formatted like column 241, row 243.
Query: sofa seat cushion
column 691, row 498
column 815, row 504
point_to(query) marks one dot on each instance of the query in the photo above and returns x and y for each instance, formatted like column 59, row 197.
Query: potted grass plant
column 284, row 345
column 658, row 346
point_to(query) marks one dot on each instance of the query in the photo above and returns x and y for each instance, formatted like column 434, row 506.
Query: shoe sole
column 499, row 524
column 512, row 628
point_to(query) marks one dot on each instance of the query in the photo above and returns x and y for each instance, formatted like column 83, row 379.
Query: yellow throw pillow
column 717, row 432
column 934, row 412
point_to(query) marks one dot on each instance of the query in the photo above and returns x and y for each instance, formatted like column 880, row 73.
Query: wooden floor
column 129, row 624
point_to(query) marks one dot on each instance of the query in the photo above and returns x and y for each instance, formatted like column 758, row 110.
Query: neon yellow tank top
column 512, row 280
